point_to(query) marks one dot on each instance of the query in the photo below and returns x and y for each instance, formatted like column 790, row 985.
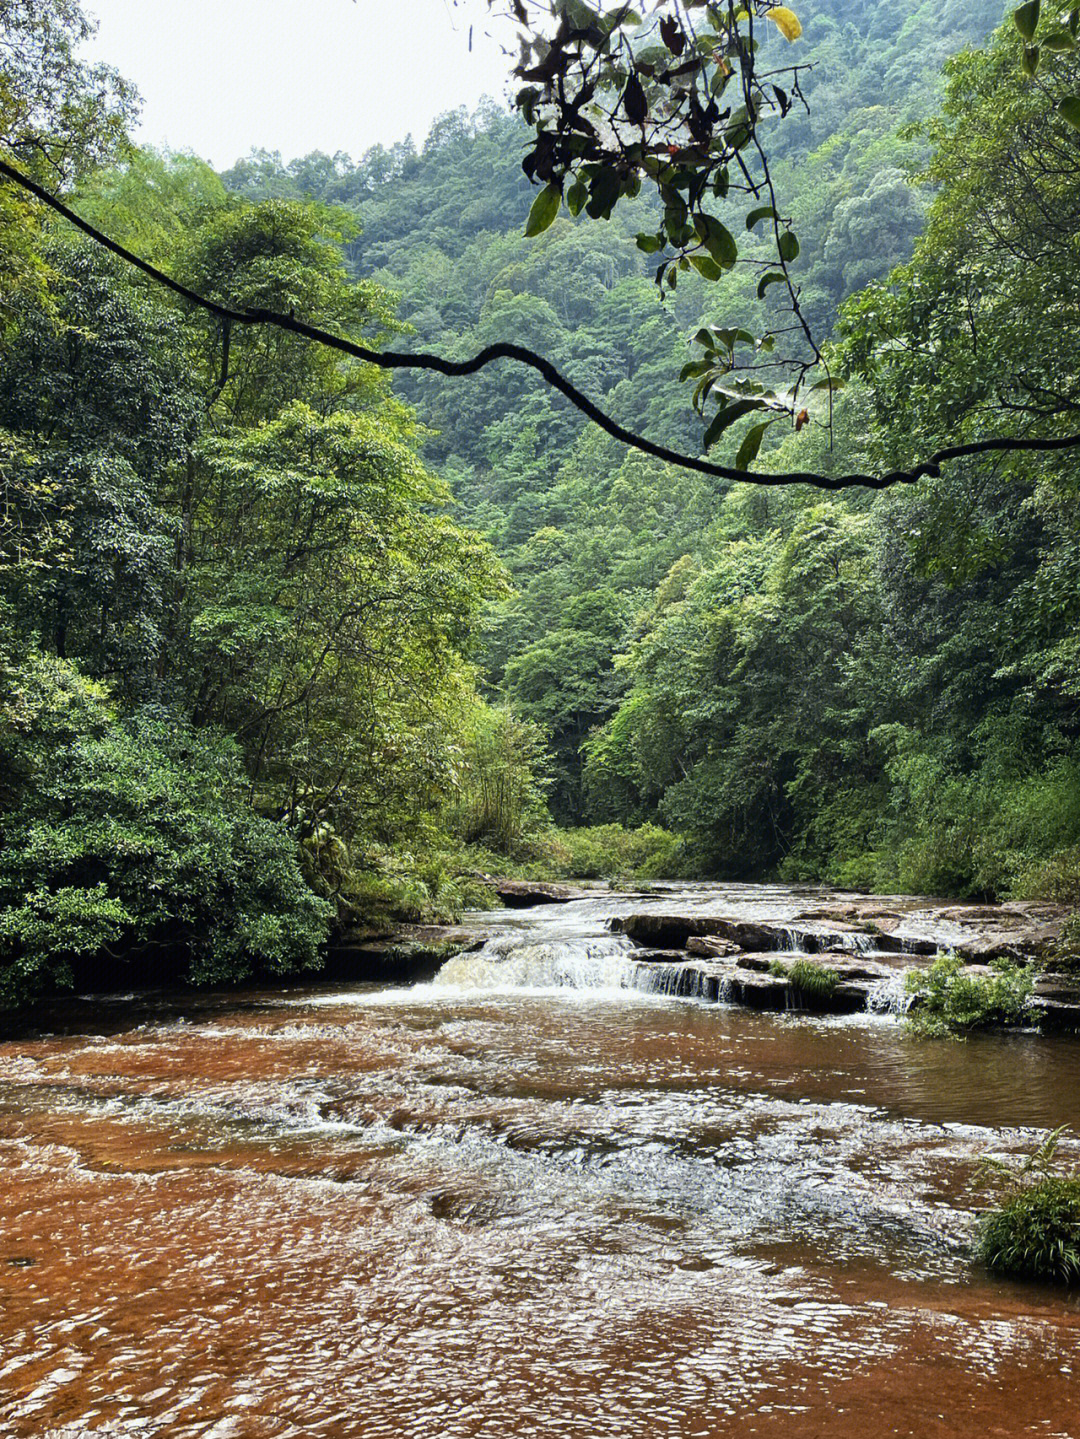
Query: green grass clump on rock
column 1036, row 1233
column 812, row 981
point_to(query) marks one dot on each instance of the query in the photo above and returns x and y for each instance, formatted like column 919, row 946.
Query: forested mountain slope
column 822, row 686
column 279, row 642
column 588, row 532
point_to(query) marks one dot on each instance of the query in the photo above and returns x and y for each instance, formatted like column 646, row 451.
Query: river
column 522, row 1200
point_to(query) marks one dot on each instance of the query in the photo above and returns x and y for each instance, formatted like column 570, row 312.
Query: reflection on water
column 519, row 1211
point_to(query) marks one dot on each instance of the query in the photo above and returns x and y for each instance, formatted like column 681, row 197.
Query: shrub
column 1056, row 878
column 387, row 887
column 1036, row 1233
column 133, row 840
column 608, row 851
column 950, row 1002
column 1066, row 952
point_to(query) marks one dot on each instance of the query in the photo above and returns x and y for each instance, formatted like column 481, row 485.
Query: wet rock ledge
column 726, row 957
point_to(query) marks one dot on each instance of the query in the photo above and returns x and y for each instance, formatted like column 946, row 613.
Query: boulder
column 710, row 946
column 673, row 931
column 1022, row 941
column 659, row 956
column 413, row 954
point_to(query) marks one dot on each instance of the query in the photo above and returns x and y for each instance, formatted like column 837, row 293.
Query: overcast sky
column 221, row 76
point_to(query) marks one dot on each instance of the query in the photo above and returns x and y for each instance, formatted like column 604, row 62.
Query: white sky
column 220, row 76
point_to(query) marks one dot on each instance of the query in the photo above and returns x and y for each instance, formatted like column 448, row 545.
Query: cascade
column 511, row 961
column 605, row 963
column 890, row 995
column 802, row 941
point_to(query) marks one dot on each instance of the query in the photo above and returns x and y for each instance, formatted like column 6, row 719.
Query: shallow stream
column 524, row 1200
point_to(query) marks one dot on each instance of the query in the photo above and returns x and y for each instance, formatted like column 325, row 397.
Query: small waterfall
column 803, row 941
column 682, row 981
column 890, row 995
column 508, row 962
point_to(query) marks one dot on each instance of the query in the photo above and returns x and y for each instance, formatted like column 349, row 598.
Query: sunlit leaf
column 544, row 210
column 1026, row 19
column 786, row 21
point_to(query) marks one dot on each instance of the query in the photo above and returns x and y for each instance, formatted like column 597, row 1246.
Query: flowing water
column 529, row 1199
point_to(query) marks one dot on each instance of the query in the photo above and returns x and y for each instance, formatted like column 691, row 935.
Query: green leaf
column 832, row 382
column 1059, row 41
column 727, row 417
column 774, row 277
column 716, row 335
column 1026, row 19
column 604, row 190
column 1069, row 109
column 544, row 209
column 718, row 240
column 748, row 450
column 1030, row 61
column 765, row 212
column 576, row 197
column 651, row 244
column 789, row 247
column 706, row 267
column 695, row 369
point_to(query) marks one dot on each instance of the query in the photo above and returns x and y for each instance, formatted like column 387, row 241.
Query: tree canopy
column 294, row 635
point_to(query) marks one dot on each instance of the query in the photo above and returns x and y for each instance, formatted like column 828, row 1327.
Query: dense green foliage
column 952, row 1002
column 877, row 691
column 312, row 647
column 132, row 836
column 234, row 610
column 854, row 689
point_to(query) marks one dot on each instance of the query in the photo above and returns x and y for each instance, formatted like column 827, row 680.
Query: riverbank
column 728, row 943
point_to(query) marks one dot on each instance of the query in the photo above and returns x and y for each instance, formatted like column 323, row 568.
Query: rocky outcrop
column 1021, row 941
column 1057, row 1002
column 712, row 931
column 672, row 931
column 763, row 981
column 524, row 893
column 977, row 933
column 752, row 980
column 863, row 968
column 412, row 954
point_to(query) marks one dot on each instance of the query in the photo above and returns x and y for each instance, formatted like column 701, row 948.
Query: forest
column 285, row 643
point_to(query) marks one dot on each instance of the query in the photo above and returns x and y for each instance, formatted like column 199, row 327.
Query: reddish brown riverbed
column 504, row 1212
